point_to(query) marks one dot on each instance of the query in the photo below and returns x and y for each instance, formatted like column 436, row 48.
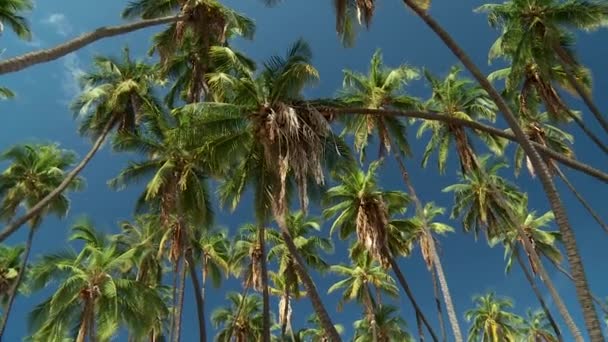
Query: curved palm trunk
column 265, row 296
column 180, row 301
column 545, row 151
column 566, row 63
column 309, row 285
column 438, row 305
column 410, row 296
column 198, row 296
column 538, row 294
column 578, row 271
column 13, row 294
column 46, row 55
column 436, row 261
column 581, row 199
column 38, row 207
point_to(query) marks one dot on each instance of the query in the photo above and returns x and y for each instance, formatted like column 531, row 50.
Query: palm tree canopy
column 490, row 320
column 10, row 14
column 536, row 327
column 34, row 172
column 244, row 324
column 389, row 327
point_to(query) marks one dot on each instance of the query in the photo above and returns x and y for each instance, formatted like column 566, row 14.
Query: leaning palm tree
column 242, row 319
column 177, row 189
column 381, row 88
column 272, row 141
column 34, row 172
column 115, row 93
column 457, row 97
column 541, row 49
column 92, row 294
column 389, row 327
column 536, row 328
column 10, row 14
column 490, row 320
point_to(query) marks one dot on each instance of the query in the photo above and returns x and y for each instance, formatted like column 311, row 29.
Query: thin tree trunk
column 546, row 152
column 578, row 271
column 438, row 304
column 436, row 261
column 83, row 330
column 410, row 295
column 596, row 299
column 198, row 296
column 581, row 199
column 46, row 55
column 238, row 310
column 538, row 294
column 309, row 285
column 596, row 140
column 419, row 326
column 12, row 227
column 174, row 300
column 370, row 311
column 15, row 289
column 285, row 313
column 566, row 63
column 180, row 301
column 265, row 296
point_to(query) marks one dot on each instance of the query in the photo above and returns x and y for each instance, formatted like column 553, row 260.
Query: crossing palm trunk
column 198, row 296
column 46, row 55
column 438, row 305
column 538, row 294
column 578, row 271
column 15, row 287
column 180, row 301
column 35, row 210
column 265, row 296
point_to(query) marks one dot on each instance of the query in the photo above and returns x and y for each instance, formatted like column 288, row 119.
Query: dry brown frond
column 255, row 254
column 372, row 219
column 284, row 310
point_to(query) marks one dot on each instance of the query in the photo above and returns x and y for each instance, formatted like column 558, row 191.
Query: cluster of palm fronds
column 249, row 132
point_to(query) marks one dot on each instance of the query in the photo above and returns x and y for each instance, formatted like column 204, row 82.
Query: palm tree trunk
column 438, row 304
column 12, row 227
column 420, row 328
column 174, row 300
column 410, row 295
column 198, row 296
column 46, row 55
column 309, row 285
column 370, row 312
column 566, row 62
column 538, row 294
column 596, row 140
column 596, row 299
column 285, row 313
column 83, row 330
column 180, row 301
column 578, row 271
column 265, row 296
column 581, row 199
column 13, row 294
column 238, row 310
column 546, row 152
column 436, row 261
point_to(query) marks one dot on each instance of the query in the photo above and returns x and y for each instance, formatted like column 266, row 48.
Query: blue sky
column 40, row 113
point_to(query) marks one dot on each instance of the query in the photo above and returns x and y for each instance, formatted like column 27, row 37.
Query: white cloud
column 60, row 23
column 71, row 75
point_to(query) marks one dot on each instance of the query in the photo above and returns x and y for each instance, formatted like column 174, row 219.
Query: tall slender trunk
column 15, row 288
column 38, row 207
column 420, row 328
column 180, row 301
column 538, row 294
column 286, row 319
column 84, row 324
column 46, row 55
column 581, row 124
column 438, row 305
column 174, row 300
column 370, row 311
column 309, row 285
column 581, row 199
column 436, row 261
column 566, row 62
column 410, row 295
column 238, row 310
column 603, row 306
column 198, row 296
column 265, row 296
column 578, row 271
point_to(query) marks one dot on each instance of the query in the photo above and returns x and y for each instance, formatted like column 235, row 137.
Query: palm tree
column 381, row 88
column 177, row 190
column 458, row 97
column 490, row 320
column 92, row 294
column 582, row 287
column 10, row 264
column 310, row 248
column 282, row 289
column 115, row 94
column 34, row 172
column 241, row 319
column 543, row 243
column 361, row 206
column 536, row 38
column 536, row 328
column 210, row 23
column 314, row 332
column 389, row 327
column 420, row 230
column 265, row 135
column 10, row 14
